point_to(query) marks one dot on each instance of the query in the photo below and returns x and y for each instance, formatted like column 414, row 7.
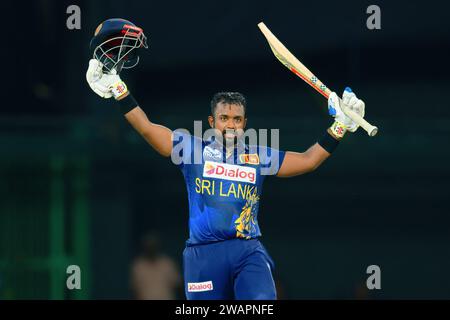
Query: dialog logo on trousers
column 200, row 286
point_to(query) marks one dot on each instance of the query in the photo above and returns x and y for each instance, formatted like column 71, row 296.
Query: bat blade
column 293, row 64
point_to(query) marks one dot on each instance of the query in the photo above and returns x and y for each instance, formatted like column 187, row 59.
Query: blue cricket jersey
column 224, row 190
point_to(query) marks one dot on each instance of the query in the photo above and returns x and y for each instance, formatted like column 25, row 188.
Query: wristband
column 127, row 104
column 328, row 142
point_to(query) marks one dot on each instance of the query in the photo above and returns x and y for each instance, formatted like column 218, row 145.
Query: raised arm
column 158, row 136
column 296, row 163
column 110, row 85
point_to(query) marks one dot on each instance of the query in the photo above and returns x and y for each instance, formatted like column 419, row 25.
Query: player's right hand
column 105, row 85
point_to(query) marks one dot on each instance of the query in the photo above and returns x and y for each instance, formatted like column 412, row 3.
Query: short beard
column 230, row 142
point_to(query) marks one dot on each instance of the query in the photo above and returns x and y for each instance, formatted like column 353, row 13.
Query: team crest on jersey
column 229, row 172
column 249, row 158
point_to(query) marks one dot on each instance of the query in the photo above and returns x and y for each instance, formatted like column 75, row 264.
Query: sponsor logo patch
column 200, row 286
column 211, row 153
column 229, row 172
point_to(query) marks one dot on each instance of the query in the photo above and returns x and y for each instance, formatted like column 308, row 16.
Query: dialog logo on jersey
column 200, row 286
column 229, row 172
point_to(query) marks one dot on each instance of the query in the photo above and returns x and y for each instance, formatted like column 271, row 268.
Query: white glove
column 105, row 85
column 350, row 100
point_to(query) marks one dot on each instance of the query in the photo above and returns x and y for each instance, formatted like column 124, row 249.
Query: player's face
column 229, row 120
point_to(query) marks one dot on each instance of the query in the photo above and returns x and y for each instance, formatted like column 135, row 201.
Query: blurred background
column 79, row 187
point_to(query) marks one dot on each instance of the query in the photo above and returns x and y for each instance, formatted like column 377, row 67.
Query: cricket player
column 224, row 257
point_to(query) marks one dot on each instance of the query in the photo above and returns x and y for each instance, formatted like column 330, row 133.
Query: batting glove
column 342, row 122
column 105, row 85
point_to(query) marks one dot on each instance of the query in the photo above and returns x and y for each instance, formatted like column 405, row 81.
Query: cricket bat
column 293, row 64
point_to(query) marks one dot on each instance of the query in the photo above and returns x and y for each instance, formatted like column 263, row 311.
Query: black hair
column 227, row 97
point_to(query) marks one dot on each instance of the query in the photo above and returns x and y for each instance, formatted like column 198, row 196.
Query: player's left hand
column 350, row 100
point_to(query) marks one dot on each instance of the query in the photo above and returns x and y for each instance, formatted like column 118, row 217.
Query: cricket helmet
column 116, row 43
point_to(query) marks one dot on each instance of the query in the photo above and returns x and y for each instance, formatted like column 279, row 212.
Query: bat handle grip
column 370, row 129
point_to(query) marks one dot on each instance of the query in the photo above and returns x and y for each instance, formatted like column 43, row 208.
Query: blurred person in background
column 154, row 275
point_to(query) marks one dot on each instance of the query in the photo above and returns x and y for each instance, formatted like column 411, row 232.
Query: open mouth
column 229, row 134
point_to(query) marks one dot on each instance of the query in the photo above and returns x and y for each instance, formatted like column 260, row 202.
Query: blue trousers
column 232, row 269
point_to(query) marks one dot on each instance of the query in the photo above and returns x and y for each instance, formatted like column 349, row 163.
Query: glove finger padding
column 358, row 107
column 333, row 105
column 352, row 101
column 102, row 94
column 98, row 81
column 336, row 108
column 101, row 90
column 347, row 95
column 94, row 71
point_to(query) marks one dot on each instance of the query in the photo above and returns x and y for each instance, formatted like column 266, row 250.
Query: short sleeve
column 270, row 160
